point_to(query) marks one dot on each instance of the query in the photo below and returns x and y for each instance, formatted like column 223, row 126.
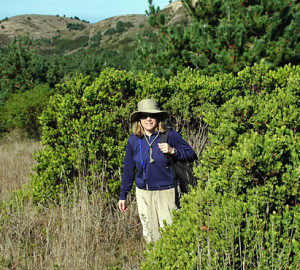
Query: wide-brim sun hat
column 147, row 106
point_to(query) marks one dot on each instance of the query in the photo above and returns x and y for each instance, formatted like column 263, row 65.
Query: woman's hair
column 139, row 131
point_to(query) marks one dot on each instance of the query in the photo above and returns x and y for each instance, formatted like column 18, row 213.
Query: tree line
column 219, row 37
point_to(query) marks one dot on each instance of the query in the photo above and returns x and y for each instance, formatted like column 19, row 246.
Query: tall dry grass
column 15, row 163
column 85, row 234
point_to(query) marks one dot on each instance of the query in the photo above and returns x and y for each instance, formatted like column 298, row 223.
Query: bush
column 84, row 132
column 245, row 211
column 110, row 31
column 62, row 45
column 122, row 26
column 22, row 110
column 95, row 39
column 75, row 26
column 213, row 231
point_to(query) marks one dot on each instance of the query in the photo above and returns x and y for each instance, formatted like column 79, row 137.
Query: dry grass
column 87, row 234
column 15, row 163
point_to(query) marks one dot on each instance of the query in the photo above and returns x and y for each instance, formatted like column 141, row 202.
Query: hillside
column 36, row 26
column 54, row 32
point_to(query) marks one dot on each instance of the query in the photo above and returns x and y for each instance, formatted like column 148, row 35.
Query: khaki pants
column 154, row 207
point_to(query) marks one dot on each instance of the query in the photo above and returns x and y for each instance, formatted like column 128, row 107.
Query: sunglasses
column 145, row 116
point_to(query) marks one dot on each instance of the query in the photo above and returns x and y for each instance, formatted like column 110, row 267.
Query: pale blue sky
column 90, row 10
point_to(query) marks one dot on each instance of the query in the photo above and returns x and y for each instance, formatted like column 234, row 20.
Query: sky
column 89, row 10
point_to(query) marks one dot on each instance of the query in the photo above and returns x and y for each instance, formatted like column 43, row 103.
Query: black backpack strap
column 164, row 136
column 164, row 139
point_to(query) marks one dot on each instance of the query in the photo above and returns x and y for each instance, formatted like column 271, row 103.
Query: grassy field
column 87, row 234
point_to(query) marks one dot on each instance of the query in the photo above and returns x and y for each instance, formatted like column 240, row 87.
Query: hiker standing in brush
column 146, row 163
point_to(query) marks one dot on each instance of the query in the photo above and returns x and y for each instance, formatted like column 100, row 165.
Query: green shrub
column 248, row 194
column 213, row 231
column 244, row 212
column 149, row 34
column 110, row 31
column 62, row 45
column 75, row 26
column 22, row 110
column 95, row 39
column 84, row 132
column 122, row 26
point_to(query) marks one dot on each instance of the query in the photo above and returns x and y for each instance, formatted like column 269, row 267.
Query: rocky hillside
column 55, row 33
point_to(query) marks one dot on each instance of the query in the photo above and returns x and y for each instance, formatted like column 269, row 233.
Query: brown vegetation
column 15, row 162
column 84, row 232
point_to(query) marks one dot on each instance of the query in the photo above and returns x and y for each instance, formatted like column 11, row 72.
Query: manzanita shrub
column 85, row 127
column 245, row 211
column 23, row 109
column 85, row 131
column 84, row 134
column 191, row 95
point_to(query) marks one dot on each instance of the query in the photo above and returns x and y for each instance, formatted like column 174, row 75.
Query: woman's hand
column 122, row 205
column 166, row 148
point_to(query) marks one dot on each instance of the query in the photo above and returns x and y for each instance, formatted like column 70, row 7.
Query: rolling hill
column 57, row 34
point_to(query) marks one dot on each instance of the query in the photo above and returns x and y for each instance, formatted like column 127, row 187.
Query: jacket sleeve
column 184, row 151
column 128, row 171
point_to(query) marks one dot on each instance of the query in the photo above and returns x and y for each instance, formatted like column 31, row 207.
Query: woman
column 145, row 162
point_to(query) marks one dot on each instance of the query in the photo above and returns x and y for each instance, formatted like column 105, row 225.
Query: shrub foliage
column 245, row 210
column 22, row 110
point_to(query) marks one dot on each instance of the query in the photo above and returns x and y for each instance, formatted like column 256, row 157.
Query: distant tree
column 149, row 34
column 120, row 28
column 20, row 67
column 110, row 31
column 55, row 69
column 223, row 36
column 76, row 26
column 96, row 39
column 22, row 110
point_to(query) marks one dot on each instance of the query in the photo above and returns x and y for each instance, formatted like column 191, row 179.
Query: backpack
column 182, row 170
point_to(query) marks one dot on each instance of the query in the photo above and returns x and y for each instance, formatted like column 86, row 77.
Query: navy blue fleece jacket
column 157, row 175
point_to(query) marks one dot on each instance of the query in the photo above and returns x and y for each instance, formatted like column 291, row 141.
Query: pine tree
column 223, row 36
column 20, row 67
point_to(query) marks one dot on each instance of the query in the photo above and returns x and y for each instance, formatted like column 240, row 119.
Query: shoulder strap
column 164, row 136
column 164, row 139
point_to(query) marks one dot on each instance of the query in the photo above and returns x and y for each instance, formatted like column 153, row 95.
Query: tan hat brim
column 135, row 115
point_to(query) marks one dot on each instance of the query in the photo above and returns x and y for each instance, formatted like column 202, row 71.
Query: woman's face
column 149, row 122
